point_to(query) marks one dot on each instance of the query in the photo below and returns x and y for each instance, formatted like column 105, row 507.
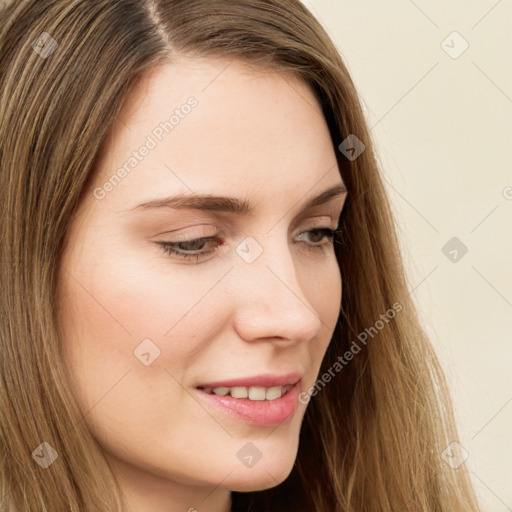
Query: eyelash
column 170, row 247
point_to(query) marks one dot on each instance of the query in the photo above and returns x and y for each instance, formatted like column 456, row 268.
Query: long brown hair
column 373, row 436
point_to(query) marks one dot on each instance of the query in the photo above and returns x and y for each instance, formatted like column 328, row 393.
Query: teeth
column 237, row 392
column 273, row 393
column 257, row 393
column 221, row 391
column 252, row 392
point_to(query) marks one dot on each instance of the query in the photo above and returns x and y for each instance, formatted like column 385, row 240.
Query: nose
column 271, row 301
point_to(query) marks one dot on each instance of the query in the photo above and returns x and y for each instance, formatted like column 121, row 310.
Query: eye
column 322, row 233
column 189, row 249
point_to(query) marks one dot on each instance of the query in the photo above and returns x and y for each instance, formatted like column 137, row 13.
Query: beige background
column 442, row 125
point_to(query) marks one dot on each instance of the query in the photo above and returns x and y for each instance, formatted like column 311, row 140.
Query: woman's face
column 143, row 328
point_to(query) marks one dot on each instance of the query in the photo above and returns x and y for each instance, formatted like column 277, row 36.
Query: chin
column 259, row 479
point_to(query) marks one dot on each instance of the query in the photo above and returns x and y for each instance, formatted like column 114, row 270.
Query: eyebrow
column 210, row 202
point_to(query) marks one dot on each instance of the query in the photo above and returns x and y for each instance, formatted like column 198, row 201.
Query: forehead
column 201, row 124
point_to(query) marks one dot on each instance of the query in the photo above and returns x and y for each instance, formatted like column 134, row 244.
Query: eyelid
column 210, row 230
column 321, row 222
column 186, row 234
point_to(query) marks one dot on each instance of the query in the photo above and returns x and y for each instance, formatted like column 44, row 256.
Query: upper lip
column 266, row 380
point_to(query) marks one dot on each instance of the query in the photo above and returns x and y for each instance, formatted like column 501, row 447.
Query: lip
column 265, row 380
column 263, row 413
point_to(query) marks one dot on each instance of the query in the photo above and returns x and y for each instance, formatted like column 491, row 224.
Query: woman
column 204, row 305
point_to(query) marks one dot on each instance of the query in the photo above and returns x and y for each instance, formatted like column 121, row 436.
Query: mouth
column 255, row 393
column 265, row 380
column 257, row 405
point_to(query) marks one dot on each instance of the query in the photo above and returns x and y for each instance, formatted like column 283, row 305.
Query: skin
column 254, row 135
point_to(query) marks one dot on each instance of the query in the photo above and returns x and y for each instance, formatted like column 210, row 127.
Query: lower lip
column 264, row 413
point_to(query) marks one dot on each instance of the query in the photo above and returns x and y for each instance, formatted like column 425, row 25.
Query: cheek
column 324, row 290
column 115, row 306
column 325, row 295
column 105, row 318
